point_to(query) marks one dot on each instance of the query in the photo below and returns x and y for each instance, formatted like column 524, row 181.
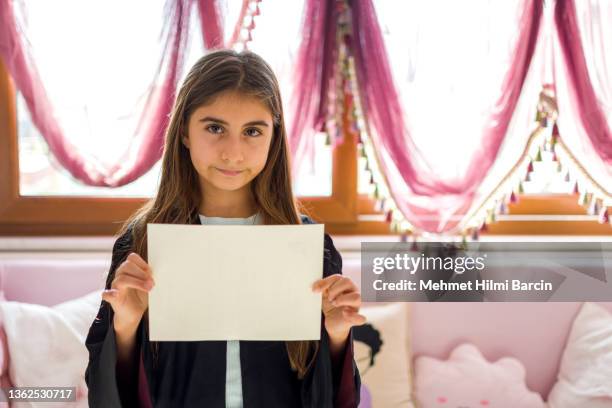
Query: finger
column 137, row 273
column 131, row 268
column 134, row 257
column 352, row 299
column 340, row 286
column 123, row 282
column 354, row 317
column 322, row 284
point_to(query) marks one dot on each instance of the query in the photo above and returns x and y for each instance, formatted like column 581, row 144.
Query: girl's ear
column 185, row 141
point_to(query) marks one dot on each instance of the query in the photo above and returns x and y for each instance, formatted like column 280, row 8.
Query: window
column 38, row 197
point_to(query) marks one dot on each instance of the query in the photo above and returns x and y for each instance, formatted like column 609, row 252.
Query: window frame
column 340, row 212
column 80, row 215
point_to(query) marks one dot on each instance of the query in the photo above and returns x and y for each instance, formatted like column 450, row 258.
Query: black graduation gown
column 192, row 373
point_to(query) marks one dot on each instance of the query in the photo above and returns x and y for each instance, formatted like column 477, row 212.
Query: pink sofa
column 51, row 281
column 534, row 333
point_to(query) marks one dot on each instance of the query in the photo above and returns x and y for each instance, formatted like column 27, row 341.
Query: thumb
column 110, row 295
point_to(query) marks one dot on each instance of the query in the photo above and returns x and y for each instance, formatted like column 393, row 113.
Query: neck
column 228, row 204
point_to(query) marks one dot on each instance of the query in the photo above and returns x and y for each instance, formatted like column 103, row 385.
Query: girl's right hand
column 129, row 293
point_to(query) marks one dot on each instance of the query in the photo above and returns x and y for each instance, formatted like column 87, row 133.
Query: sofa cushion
column 382, row 353
column 5, row 381
column 47, row 344
column 585, row 376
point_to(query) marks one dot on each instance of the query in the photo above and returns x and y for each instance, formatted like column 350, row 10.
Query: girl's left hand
column 341, row 303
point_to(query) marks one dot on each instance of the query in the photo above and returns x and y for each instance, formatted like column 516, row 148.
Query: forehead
column 236, row 107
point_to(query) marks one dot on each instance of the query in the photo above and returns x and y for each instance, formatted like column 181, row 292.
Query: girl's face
column 229, row 140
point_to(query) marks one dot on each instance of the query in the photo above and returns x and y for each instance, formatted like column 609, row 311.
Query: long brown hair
column 178, row 197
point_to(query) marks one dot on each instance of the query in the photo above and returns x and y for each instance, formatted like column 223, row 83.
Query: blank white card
column 235, row 282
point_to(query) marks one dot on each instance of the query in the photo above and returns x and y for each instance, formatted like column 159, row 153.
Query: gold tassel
column 582, row 200
column 538, row 155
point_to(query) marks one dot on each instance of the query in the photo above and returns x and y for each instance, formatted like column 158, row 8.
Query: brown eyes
column 214, row 129
column 250, row 132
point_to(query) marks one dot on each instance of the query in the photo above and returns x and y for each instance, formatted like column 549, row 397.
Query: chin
column 231, row 186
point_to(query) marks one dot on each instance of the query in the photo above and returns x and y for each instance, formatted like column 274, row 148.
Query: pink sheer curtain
column 147, row 145
column 429, row 203
column 212, row 24
column 579, row 100
column 314, row 68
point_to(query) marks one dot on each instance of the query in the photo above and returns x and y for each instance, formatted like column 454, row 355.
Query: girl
column 225, row 161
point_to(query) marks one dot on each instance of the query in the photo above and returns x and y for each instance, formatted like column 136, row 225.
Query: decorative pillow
column 47, row 344
column 81, row 312
column 4, row 359
column 382, row 353
column 466, row 379
column 585, row 376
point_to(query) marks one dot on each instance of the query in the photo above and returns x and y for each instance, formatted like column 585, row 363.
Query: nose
column 231, row 150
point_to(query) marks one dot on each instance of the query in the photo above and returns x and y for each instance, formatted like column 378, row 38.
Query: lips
column 230, row 172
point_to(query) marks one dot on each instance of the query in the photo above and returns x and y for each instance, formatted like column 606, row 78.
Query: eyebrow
column 217, row 120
